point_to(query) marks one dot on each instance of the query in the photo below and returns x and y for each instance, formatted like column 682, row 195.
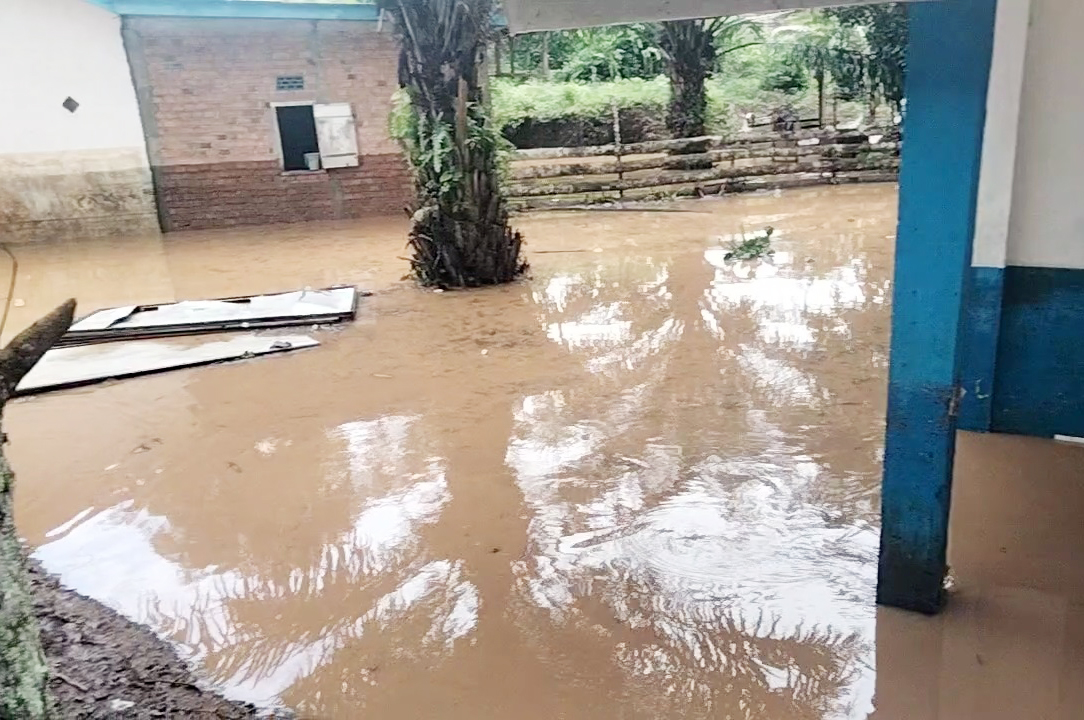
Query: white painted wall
column 61, row 170
column 55, row 48
column 1046, row 228
column 999, row 148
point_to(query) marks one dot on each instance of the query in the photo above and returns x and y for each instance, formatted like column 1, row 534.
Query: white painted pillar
column 1000, row 138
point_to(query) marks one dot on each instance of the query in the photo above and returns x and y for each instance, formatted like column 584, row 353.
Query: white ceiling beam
column 536, row 15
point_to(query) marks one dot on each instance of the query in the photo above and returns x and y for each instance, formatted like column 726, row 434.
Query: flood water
column 642, row 484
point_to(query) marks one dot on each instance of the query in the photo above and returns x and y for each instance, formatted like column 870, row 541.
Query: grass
column 515, row 102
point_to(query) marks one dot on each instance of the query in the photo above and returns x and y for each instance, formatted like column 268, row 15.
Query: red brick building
column 279, row 116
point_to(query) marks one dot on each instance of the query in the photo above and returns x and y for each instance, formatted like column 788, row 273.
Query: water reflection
column 690, row 512
column 719, row 559
column 231, row 620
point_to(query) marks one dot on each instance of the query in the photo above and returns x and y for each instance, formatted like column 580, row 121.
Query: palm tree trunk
column 546, row 55
column 688, row 103
column 461, row 236
column 24, row 671
column 821, row 108
column 689, row 48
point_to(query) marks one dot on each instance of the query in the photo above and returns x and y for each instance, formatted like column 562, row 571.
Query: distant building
column 72, row 155
column 237, row 98
column 242, row 113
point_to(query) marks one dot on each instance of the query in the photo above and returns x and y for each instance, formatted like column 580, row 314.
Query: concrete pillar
column 948, row 60
column 995, row 201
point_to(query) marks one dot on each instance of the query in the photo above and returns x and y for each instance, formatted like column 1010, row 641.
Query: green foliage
column 515, row 102
column 823, row 48
column 884, row 28
column 430, row 146
column 624, row 52
column 693, row 49
column 592, row 54
column 785, row 77
column 728, row 96
column 611, row 53
column 751, row 247
column 756, row 66
column 834, row 48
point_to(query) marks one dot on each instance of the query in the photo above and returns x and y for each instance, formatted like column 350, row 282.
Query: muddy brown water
column 642, row 484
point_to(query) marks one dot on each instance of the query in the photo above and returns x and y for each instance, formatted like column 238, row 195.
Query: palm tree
column 885, row 30
column 691, row 49
column 461, row 236
column 827, row 51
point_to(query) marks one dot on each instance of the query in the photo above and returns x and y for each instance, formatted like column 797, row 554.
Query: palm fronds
column 691, row 49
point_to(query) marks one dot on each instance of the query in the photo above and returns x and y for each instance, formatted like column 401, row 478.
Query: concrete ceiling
column 534, row 15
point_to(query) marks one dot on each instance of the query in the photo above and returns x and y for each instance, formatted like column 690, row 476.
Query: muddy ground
column 106, row 666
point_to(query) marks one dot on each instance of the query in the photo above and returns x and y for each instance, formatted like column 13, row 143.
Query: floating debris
column 84, row 365
column 193, row 317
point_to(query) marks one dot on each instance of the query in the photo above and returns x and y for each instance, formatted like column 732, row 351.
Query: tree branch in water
column 23, row 353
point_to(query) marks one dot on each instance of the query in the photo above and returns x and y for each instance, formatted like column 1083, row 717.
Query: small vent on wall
column 290, row 82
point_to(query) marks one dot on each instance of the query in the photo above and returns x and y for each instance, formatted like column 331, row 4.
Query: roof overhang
column 535, row 15
column 243, row 9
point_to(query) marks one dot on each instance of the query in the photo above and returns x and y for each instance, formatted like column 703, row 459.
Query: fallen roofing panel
column 73, row 366
column 190, row 317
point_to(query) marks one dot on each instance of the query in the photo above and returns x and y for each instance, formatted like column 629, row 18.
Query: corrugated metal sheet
column 190, row 317
column 75, row 366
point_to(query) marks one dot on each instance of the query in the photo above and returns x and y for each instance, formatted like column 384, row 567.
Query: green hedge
column 515, row 102
column 537, row 100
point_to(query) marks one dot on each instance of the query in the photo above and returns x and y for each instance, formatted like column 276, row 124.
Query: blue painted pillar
column 948, row 66
column 979, row 365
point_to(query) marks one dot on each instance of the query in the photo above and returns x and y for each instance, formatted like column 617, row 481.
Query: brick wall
column 206, row 88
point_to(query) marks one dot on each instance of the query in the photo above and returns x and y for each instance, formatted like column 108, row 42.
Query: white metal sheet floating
column 535, row 15
column 190, row 317
column 74, row 366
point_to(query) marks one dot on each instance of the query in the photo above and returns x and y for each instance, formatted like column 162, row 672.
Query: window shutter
column 336, row 135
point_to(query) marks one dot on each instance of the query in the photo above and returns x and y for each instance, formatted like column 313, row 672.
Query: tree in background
column 460, row 235
column 885, row 30
column 813, row 57
column 612, row 53
column 693, row 49
column 828, row 51
column 784, row 76
column 591, row 54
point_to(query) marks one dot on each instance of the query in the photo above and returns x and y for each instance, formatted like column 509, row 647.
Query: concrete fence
column 701, row 166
